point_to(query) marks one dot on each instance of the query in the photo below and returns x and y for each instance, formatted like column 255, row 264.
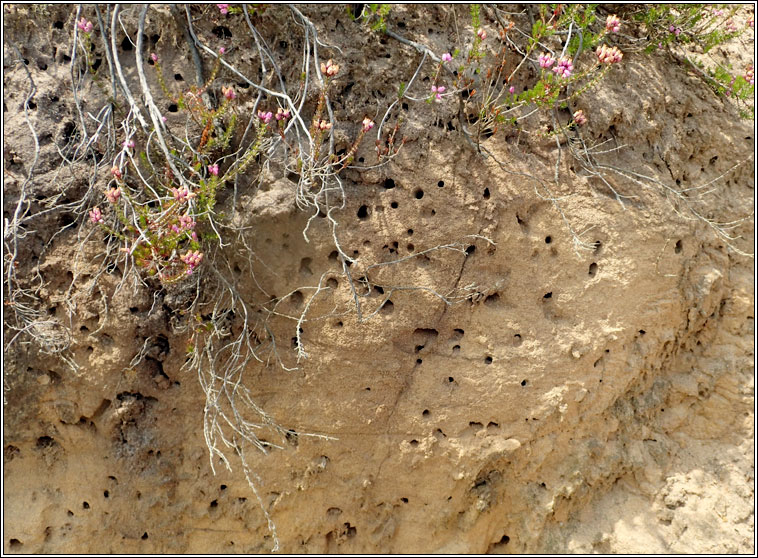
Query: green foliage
column 486, row 79
column 704, row 25
column 725, row 83
column 695, row 25
column 539, row 29
column 587, row 16
column 475, row 21
column 571, row 31
column 376, row 16
column 166, row 229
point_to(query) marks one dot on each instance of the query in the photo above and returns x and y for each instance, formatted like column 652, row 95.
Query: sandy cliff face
column 503, row 392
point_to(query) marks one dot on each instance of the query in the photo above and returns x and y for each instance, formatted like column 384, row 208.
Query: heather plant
column 573, row 50
column 157, row 213
column 374, row 15
column 683, row 29
column 491, row 91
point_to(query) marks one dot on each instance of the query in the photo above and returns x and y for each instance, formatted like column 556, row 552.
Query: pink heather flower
column 265, row 116
column 95, row 216
column 129, row 144
column 222, row 50
column 113, row 194
column 564, row 68
column 749, row 75
column 192, row 258
column 85, row 25
column 182, row 194
column 282, row 114
column 324, row 125
column 229, row 93
column 511, row 89
column 367, row 124
column 223, row 8
column 330, row 68
column 116, row 172
column 447, row 57
column 546, row 60
column 731, row 26
column 482, row 34
column 580, row 118
column 186, row 222
column 213, row 169
column 154, row 57
column 608, row 55
column 612, row 24
column 163, row 119
column 438, row 91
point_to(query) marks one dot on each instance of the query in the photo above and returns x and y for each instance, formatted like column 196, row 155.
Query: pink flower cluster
column 85, row 25
column 182, row 195
column 223, row 8
column 113, row 194
column 323, row 125
column 447, row 57
column 438, row 91
column 213, row 169
column 608, row 55
column 96, row 216
column 330, row 68
column 546, row 60
column 580, row 118
column 154, row 57
column 116, row 172
column 749, row 75
column 129, row 144
column 186, row 223
column 564, row 68
column 482, row 34
column 281, row 114
column 229, row 93
column 192, row 258
column 367, row 124
column 675, row 30
column 612, row 24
